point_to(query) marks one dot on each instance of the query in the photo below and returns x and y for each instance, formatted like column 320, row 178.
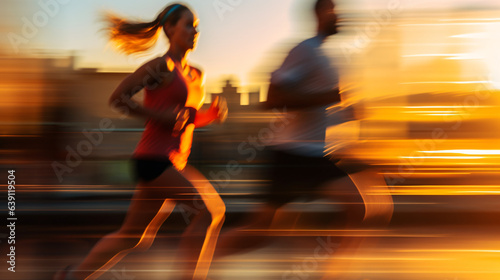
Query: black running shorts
column 148, row 169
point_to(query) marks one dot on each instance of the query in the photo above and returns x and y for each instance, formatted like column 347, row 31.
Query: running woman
column 173, row 97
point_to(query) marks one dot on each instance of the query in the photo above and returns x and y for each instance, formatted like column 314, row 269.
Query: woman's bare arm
column 218, row 109
column 216, row 113
column 149, row 75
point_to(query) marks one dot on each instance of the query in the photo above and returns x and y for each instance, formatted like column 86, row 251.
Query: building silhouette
column 233, row 98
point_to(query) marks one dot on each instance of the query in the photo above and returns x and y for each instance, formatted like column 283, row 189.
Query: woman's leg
column 151, row 205
column 199, row 242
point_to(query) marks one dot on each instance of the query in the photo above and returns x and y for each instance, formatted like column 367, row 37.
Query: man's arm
column 280, row 97
column 303, row 60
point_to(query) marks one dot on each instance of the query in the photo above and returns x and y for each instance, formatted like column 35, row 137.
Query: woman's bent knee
column 218, row 213
column 132, row 241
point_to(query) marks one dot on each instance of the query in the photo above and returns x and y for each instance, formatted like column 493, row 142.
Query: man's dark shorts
column 298, row 177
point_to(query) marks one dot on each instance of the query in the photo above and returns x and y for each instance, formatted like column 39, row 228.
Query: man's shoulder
column 312, row 43
column 307, row 46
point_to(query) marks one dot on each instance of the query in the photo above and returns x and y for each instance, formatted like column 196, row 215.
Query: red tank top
column 157, row 140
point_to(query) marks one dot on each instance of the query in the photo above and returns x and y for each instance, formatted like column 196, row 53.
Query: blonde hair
column 133, row 37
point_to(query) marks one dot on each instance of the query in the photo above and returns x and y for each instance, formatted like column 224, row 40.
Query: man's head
column 327, row 19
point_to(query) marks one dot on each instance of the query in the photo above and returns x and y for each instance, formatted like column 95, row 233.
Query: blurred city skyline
column 255, row 34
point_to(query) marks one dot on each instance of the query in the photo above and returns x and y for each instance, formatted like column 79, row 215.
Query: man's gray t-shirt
column 307, row 70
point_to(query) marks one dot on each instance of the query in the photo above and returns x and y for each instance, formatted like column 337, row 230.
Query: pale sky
column 232, row 42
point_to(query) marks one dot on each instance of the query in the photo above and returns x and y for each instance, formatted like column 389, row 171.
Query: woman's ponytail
column 133, row 37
